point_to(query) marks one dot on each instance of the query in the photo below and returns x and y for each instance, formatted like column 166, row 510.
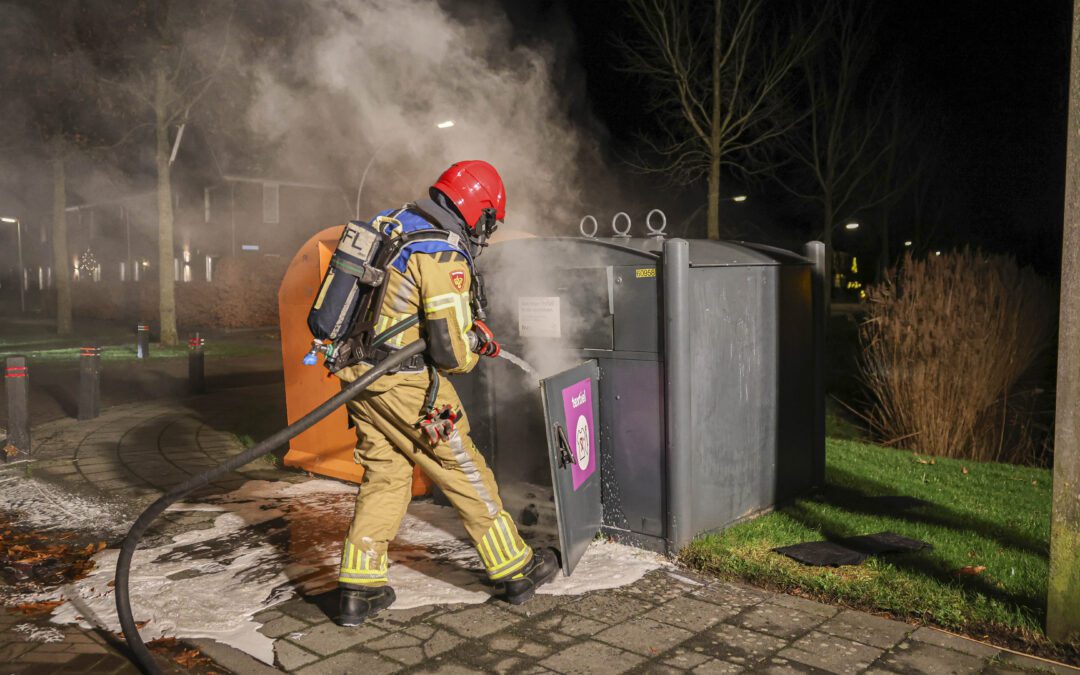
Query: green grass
column 839, row 424
column 157, row 352
column 22, row 338
column 995, row 515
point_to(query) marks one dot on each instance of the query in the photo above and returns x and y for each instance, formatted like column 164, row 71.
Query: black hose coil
column 131, row 541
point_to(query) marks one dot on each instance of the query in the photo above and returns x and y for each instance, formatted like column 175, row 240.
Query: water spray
column 348, row 392
column 519, row 362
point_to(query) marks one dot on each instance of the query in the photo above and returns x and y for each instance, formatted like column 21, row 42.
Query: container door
column 571, row 412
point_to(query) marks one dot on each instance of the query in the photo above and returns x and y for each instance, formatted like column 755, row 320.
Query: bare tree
column 841, row 142
column 927, row 199
column 165, row 69
column 58, row 94
column 903, row 165
column 718, row 72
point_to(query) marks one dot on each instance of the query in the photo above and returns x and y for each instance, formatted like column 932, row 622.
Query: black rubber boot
column 541, row 569
column 359, row 603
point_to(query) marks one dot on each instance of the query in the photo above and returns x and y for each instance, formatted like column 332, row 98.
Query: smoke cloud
column 368, row 86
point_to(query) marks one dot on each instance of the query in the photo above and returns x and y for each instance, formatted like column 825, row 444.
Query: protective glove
column 482, row 340
column 439, row 424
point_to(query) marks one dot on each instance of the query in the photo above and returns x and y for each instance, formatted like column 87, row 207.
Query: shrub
column 242, row 295
column 948, row 352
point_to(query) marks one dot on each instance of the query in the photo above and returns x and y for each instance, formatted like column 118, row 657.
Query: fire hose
column 142, row 523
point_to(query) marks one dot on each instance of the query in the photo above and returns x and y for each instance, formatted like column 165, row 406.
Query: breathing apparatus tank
column 342, row 318
column 351, row 276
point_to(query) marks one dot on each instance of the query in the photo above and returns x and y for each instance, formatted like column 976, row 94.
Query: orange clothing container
column 327, row 447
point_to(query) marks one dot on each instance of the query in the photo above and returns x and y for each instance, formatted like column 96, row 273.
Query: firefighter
column 413, row 416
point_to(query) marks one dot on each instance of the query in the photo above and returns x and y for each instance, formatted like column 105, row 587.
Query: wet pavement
column 670, row 620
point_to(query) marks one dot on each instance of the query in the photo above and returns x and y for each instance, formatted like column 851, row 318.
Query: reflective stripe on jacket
column 431, row 278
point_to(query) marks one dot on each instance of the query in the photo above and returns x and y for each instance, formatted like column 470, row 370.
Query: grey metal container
column 710, row 405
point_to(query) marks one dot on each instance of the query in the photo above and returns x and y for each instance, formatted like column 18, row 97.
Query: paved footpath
column 672, row 620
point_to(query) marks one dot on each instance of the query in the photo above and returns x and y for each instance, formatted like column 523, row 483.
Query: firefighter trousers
column 390, row 444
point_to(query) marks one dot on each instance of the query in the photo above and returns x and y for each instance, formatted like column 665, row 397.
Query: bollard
column 142, row 341
column 17, row 386
column 196, row 374
column 89, row 382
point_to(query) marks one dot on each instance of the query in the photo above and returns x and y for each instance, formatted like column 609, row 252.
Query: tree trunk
column 714, row 198
column 714, row 128
column 1063, row 599
column 166, row 254
column 827, row 239
column 62, row 264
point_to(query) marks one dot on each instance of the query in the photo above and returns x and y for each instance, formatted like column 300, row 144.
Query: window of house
column 270, row 202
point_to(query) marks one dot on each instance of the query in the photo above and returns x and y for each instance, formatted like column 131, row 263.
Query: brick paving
column 664, row 623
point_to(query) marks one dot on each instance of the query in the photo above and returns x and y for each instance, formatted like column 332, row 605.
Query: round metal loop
column 654, row 231
column 615, row 226
column 595, row 227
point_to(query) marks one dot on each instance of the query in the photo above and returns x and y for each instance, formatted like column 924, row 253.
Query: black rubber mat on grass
column 850, row 551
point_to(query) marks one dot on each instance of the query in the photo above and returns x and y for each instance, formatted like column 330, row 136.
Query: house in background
column 244, row 215
column 116, row 239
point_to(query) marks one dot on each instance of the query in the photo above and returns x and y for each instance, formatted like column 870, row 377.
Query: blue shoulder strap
column 420, row 236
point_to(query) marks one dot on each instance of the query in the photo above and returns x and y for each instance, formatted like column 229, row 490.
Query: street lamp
column 22, row 280
column 908, row 243
column 851, row 226
column 739, row 198
column 363, row 177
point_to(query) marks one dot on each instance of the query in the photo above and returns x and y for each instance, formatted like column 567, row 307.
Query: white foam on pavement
column 43, row 506
column 271, row 540
column 39, row 633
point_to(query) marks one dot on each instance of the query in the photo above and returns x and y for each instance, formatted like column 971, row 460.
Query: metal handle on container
column 565, row 458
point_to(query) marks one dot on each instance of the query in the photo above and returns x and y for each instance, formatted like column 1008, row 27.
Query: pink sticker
column 581, row 433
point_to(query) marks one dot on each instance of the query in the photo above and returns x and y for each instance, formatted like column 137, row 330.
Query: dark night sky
column 992, row 73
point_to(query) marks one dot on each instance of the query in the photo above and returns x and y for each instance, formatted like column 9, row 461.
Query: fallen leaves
column 10, row 450
column 189, row 658
column 42, row 559
column 920, row 460
column 38, row 608
column 964, row 470
column 192, row 658
column 971, row 570
column 161, row 644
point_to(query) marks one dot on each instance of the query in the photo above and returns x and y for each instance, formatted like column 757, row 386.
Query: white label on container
column 539, row 317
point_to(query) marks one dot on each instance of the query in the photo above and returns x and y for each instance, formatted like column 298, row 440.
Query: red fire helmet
column 473, row 185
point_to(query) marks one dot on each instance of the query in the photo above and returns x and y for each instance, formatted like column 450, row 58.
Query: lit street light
column 907, row 243
column 445, row 125
column 22, row 280
column 739, row 198
column 851, row 226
